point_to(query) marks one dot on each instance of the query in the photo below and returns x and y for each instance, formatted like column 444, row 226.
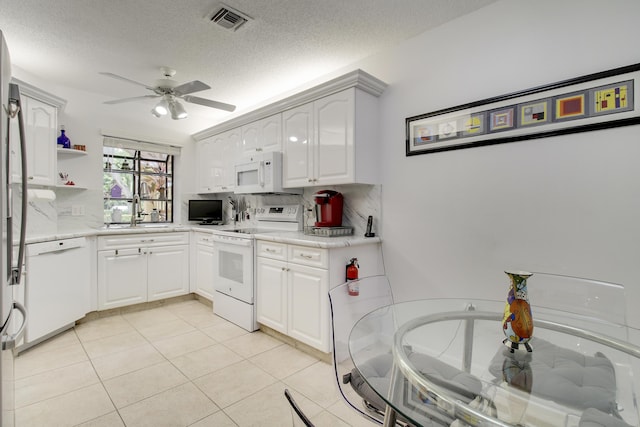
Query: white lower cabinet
column 202, row 260
column 292, row 292
column 137, row 268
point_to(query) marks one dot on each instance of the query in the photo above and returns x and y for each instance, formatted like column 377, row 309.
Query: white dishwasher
column 56, row 291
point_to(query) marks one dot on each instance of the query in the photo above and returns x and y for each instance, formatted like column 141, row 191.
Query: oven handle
column 232, row 241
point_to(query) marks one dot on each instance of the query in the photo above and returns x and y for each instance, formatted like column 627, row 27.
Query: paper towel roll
column 38, row 194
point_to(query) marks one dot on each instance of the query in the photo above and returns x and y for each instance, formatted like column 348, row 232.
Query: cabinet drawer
column 272, row 250
column 203, row 238
column 313, row 257
column 137, row 240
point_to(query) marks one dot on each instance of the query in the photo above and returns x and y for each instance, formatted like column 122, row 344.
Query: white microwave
column 261, row 173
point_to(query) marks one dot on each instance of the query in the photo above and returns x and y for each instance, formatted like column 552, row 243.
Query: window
column 131, row 171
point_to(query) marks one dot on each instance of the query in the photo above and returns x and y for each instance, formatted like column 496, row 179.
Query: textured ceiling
column 287, row 43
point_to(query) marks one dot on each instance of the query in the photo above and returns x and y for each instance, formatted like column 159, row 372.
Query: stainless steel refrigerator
column 11, row 312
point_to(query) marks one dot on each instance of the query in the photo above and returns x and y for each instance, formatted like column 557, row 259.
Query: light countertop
column 290, row 237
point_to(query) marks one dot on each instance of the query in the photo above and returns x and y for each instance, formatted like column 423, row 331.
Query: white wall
column 453, row 221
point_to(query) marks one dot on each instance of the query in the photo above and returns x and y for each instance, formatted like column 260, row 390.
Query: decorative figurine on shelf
column 517, row 323
column 63, row 140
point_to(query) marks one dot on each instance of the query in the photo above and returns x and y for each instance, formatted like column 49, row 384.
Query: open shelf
column 71, row 152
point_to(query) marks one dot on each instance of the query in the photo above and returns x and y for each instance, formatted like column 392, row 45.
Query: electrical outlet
column 77, row 210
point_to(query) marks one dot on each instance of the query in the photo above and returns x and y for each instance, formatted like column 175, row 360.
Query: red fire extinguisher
column 352, row 277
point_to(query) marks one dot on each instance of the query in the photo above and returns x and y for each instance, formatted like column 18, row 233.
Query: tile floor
column 176, row 365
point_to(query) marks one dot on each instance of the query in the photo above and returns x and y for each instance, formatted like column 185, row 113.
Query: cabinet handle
column 309, row 180
column 30, row 177
column 270, row 250
column 149, row 240
column 306, row 256
column 258, row 149
column 284, row 269
column 116, row 252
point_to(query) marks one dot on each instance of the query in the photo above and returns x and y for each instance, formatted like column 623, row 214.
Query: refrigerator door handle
column 16, row 272
column 9, row 341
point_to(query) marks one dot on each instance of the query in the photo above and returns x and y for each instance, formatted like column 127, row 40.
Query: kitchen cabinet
column 291, row 293
column 216, row 162
column 137, row 268
column 40, row 126
column 202, row 261
column 262, row 135
column 293, row 283
column 331, row 140
column 204, row 156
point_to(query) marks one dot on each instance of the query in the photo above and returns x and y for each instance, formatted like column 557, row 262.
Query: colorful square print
column 612, row 98
column 534, row 113
column 424, row 134
column 501, row 119
column 570, row 106
column 473, row 125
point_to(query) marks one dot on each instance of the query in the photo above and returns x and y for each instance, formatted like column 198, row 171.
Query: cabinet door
column 205, row 166
column 249, row 143
column 41, row 128
column 229, row 156
column 308, row 306
column 270, row 133
column 216, row 151
column 122, row 278
column 271, row 299
column 334, row 136
column 167, row 271
column 204, row 270
column 297, row 133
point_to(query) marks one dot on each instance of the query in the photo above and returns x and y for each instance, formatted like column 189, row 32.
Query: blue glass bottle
column 63, row 140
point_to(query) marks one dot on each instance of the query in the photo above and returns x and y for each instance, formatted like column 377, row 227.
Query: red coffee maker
column 328, row 208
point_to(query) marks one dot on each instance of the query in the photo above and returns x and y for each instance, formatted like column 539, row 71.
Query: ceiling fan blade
column 115, row 76
column 190, row 87
column 209, row 103
column 135, row 98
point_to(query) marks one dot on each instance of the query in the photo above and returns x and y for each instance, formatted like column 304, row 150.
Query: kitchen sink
column 127, row 226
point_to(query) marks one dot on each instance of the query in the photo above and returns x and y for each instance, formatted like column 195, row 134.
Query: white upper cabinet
column 40, row 114
column 40, row 126
column 331, row 141
column 328, row 134
column 204, row 158
column 217, row 157
column 262, row 135
column 298, row 146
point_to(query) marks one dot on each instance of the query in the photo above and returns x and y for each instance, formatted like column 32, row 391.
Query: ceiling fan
column 170, row 91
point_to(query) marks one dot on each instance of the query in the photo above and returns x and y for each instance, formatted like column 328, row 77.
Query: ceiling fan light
column 177, row 110
column 161, row 108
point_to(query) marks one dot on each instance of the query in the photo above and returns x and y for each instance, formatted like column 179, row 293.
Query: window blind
column 111, row 141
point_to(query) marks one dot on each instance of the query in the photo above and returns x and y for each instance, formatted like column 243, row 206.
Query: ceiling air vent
column 228, row 18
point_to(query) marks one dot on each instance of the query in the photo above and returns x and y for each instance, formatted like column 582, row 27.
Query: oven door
column 233, row 267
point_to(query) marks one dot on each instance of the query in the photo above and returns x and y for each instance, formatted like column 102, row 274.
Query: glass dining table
column 451, row 367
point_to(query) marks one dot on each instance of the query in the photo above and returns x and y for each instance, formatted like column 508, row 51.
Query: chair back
column 346, row 310
column 586, row 303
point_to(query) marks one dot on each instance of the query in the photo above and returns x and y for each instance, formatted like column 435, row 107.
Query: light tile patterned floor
column 177, row 365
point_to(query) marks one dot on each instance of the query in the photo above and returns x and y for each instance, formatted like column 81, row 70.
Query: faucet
column 134, row 209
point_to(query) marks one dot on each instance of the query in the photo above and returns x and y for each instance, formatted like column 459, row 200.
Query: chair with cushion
column 375, row 293
column 577, row 374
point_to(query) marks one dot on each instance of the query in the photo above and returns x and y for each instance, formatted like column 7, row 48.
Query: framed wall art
column 595, row 101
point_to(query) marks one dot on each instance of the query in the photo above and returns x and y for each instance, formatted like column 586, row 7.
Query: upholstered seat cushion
column 559, row 374
column 377, row 370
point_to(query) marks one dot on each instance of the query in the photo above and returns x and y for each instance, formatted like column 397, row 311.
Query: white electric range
column 234, row 279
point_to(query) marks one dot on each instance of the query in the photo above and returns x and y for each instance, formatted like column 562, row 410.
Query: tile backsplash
column 48, row 217
column 360, row 201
